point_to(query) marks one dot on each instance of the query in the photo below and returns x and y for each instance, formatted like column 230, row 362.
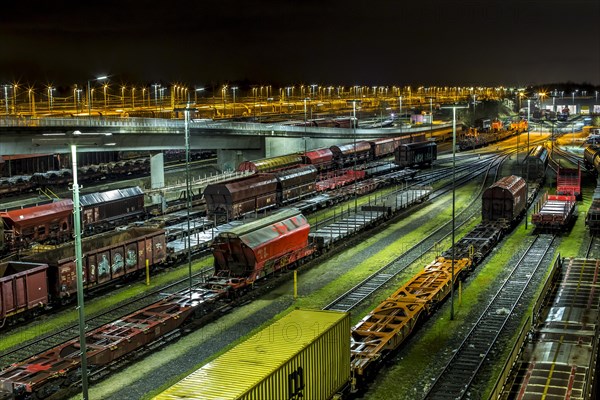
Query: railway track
column 364, row 289
column 43, row 343
column 593, row 249
column 459, row 373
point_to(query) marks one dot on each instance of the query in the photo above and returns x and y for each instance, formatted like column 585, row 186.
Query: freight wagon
column 49, row 277
column 568, row 181
column 230, row 200
column 421, row 154
column 53, row 222
column 304, row 355
column 23, row 289
column 259, row 248
column 534, row 166
column 554, row 212
column 271, row 164
column 50, row 222
column 107, row 257
column 505, row 200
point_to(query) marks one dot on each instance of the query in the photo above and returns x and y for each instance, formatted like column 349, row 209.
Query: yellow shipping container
column 304, row 355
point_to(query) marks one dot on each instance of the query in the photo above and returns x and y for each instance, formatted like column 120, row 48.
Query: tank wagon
column 505, row 200
column 534, row 166
column 303, row 355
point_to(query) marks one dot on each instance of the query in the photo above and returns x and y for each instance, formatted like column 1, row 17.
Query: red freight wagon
column 48, row 222
column 234, row 198
column 106, row 258
column 320, row 158
column 256, row 249
column 568, row 181
column 23, row 288
column 554, row 212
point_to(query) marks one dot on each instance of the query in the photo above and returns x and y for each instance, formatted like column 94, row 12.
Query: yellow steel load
column 305, row 354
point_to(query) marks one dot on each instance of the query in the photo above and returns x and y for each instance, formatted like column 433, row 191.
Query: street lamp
column 73, row 140
column 105, row 88
column 50, row 90
column 234, row 88
column 6, row 98
column 453, row 107
column 196, row 94
column 354, row 101
column 100, row 78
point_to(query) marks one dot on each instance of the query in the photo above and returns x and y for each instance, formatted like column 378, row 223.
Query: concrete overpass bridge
column 233, row 141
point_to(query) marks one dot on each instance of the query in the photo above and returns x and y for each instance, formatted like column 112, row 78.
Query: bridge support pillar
column 228, row 160
column 157, row 176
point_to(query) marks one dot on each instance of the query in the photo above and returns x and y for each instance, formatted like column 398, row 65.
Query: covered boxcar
column 258, row 248
column 348, row 153
column 408, row 155
column 237, row 197
column 106, row 209
column 271, row 164
column 534, row 166
column 304, row 355
column 382, row 147
column 23, row 288
column 322, row 159
column 106, row 257
column 505, row 200
column 295, row 184
column 48, row 222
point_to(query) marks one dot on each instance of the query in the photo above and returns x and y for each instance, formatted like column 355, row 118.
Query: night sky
column 380, row 42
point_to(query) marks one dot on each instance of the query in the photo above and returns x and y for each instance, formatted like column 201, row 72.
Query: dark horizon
column 438, row 43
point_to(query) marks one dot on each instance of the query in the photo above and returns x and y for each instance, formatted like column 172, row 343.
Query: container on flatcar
column 422, row 153
column 237, row 197
column 294, row 184
column 106, row 209
column 23, row 287
column 258, row 248
column 505, row 200
column 106, row 257
column 320, row 158
column 47, row 222
column 534, row 166
column 305, row 354
column 271, row 164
